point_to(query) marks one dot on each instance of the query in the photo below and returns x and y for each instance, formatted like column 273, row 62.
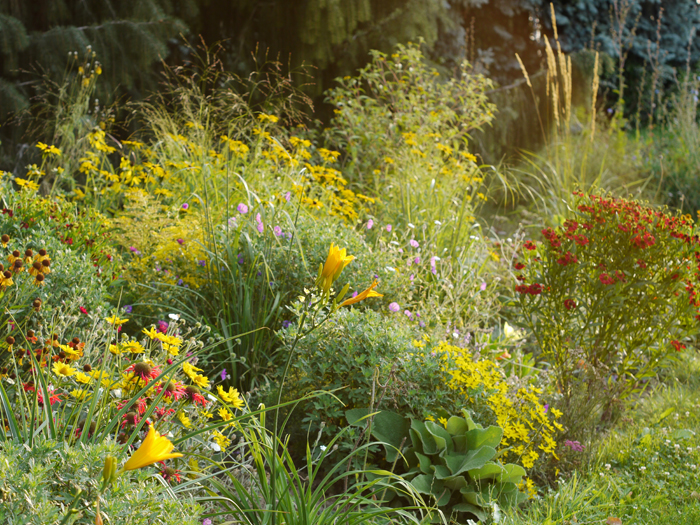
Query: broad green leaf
column 442, row 438
column 457, row 426
column 489, row 471
column 490, row 437
column 473, row 459
column 426, row 442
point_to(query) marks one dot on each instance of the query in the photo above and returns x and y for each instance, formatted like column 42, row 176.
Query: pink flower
column 388, row 228
column 370, row 223
column 413, row 243
column 394, row 307
column 242, row 208
column 260, row 225
column 407, row 313
column 278, row 231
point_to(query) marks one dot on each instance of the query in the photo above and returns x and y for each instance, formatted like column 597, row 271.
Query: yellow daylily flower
column 335, row 262
column 153, row 449
column 369, row 292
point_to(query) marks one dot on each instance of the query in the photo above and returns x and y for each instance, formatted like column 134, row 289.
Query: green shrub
column 364, row 361
column 608, row 297
column 38, row 485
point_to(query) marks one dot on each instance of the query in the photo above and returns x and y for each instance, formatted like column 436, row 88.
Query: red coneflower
column 194, row 395
column 174, row 390
column 144, row 370
column 169, row 474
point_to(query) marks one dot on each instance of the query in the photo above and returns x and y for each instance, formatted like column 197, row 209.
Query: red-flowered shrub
column 609, row 296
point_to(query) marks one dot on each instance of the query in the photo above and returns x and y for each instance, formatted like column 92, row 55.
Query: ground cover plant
column 222, row 311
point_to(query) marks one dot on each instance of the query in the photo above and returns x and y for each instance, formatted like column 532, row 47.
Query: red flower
column 677, row 345
column 169, row 474
column 529, row 245
column 174, row 390
column 569, row 304
column 606, row 279
column 535, row 289
column 144, row 370
column 519, row 266
column 83, row 310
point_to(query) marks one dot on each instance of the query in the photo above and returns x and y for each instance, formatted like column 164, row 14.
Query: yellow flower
column 221, row 440
column 78, row 394
column 153, row 449
column 82, row 378
column 114, row 320
column 200, row 380
column 63, row 370
column 231, row 397
column 114, row 349
column 134, row 347
column 184, row 420
column 225, row 414
column 152, row 333
column 369, row 292
column 335, row 262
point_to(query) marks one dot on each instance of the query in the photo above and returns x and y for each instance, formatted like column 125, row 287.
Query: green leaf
column 489, row 471
column 425, row 463
column 512, row 473
column 457, row 426
column 490, row 437
column 683, row 433
column 473, row 459
column 480, row 513
column 423, row 441
column 442, row 438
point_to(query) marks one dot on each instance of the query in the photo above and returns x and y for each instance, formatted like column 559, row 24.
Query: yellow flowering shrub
column 529, row 426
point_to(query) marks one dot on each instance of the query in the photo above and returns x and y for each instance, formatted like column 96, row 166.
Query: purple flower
column 546, row 408
column 180, row 282
column 370, row 223
column 421, row 324
column 278, row 231
column 416, row 260
column 407, row 313
column 260, row 226
column 180, row 241
column 223, row 375
column 354, row 294
column 128, row 308
column 286, row 323
column 287, row 196
column 231, row 222
column 240, row 258
column 206, row 521
column 413, row 243
column 394, row 307
column 412, row 277
column 482, row 287
column 242, row 208
column 574, row 445
column 388, row 228
column 202, row 263
column 185, row 206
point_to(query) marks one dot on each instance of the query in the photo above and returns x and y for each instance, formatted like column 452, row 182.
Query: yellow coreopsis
column 369, row 292
column 335, row 262
column 153, row 449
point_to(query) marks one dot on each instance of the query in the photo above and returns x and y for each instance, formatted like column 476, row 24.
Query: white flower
column 607, row 466
column 174, row 317
column 322, row 447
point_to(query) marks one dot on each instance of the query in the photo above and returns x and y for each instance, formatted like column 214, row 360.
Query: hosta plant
column 456, row 464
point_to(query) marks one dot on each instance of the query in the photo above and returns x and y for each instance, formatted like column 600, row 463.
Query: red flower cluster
column 533, row 289
column 569, row 258
column 529, row 245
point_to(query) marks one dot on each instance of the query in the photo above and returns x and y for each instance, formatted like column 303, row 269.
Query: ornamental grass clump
column 610, row 297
